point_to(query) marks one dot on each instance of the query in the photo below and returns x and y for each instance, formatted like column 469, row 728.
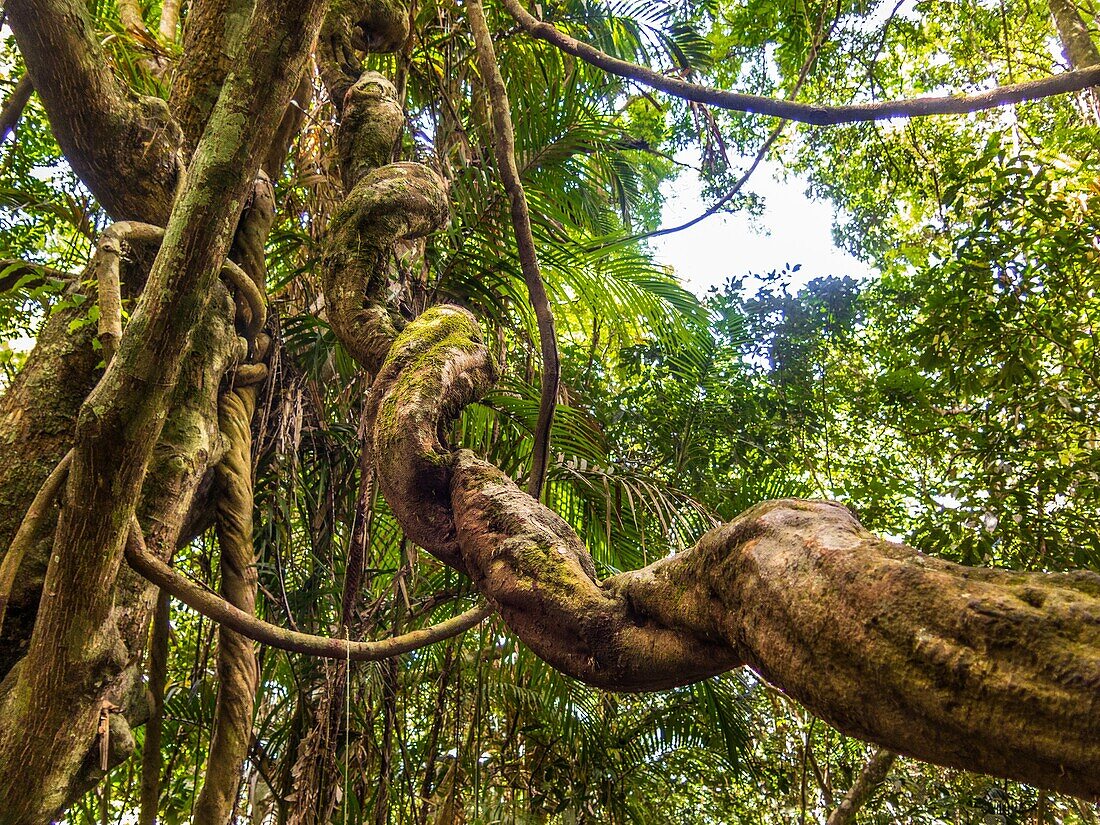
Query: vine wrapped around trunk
column 988, row 670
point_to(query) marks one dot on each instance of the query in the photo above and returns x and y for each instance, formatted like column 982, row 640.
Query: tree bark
column 504, row 147
column 872, row 775
column 1077, row 45
column 237, row 667
column 51, row 707
column 211, row 41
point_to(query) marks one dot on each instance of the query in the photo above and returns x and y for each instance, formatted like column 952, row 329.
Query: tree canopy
column 360, row 462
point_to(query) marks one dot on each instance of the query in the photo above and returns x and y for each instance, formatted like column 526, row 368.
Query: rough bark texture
column 989, row 670
column 985, row 670
column 1076, row 40
column 51, row 708
column 37, row 415
column 1078, row 46
column 399, row 201
column 211, row 39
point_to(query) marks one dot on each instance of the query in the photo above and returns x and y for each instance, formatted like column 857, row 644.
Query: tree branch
column 504, row 147
column 989, row 670
column 123, row 147
column 13, row 107
column 237, row 668
column 211, row 40
column 872, row 775
column 219, row 610
column 811, row 114
column 129, row 15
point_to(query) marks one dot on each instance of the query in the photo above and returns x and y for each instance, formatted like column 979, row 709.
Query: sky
column 793, row 229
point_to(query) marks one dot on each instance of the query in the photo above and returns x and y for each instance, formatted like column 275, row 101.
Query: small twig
column 13, row 270
column 504, row 147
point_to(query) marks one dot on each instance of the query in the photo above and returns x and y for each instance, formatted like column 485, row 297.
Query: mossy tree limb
column 987, row 670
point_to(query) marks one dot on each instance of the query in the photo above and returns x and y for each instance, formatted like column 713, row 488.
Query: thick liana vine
column 962, row 667
column 237, row 666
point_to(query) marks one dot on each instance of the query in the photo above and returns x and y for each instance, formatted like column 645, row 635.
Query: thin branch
column 169, row 20
column 717, row 206
column 129, row 14
column 14, row 270
column 13, row 108
column 219, row 610
column 814, row 115
column 872, row 775
column 105, row 266
column 29, row 528
column 504, row 147
column 820, row 36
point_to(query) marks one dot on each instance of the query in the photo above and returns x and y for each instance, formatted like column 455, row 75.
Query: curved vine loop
column 961, row 667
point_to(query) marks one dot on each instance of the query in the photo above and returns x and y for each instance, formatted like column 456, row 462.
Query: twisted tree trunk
column 989, row 670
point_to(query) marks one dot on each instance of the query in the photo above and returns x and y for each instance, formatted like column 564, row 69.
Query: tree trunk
column 77, row 648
